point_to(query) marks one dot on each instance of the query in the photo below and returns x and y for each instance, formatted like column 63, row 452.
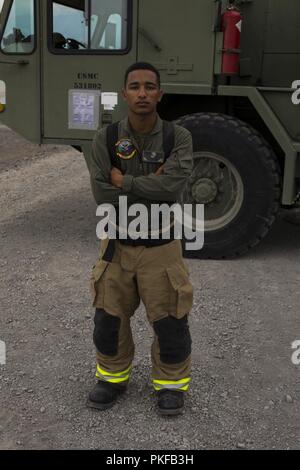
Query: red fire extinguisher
column 231, row 26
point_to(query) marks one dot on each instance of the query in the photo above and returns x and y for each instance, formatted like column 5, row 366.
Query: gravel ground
column 245, row 390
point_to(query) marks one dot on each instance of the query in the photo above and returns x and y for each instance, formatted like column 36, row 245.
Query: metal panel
column 280, row 70
column 281, row 61
column 283, row 27
column 178, row 40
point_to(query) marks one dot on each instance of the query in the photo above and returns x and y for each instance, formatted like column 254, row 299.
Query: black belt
column 110, row 250
column 150, row 243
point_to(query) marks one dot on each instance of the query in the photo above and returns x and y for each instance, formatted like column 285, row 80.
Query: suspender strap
column 109, row 252
column 168, row 138
column 112, row 137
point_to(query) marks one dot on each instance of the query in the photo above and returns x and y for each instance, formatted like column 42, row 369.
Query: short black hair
column 142, row 66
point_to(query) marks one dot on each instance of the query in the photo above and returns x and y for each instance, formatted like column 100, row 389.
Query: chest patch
column 125, row 149
column 153, row 157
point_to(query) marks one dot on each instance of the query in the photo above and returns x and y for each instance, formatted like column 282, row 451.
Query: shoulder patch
column 125, row 149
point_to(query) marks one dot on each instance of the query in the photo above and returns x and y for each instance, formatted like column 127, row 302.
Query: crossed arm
column 108, row 183
column 117, row 177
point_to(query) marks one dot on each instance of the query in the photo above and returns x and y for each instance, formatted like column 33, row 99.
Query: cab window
column 70, row 26
column 89, row 25
column 19, row 32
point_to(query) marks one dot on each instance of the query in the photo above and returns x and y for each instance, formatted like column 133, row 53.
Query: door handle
column 19, row 62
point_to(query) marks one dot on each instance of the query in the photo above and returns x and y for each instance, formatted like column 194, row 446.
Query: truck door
column 178, row 38
column 19, row 67
column 88, row 45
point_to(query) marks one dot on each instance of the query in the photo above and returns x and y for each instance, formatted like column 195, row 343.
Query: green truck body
column 61, row 73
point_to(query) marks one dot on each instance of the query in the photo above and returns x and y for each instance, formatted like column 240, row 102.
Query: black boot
column 104, row 395
column 170, row 402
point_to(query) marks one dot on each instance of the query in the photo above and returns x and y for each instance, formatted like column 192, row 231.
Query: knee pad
column 174, row 339
column 106, row 333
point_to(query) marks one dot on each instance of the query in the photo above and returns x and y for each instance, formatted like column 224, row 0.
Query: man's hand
column 116, row 178
column 160, row 170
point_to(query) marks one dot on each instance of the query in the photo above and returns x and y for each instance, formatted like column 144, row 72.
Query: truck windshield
column 90, row 25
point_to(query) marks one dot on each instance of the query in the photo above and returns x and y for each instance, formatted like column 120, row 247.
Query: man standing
column 148, row 161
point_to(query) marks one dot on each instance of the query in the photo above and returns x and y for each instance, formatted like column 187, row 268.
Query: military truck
column 61, row 70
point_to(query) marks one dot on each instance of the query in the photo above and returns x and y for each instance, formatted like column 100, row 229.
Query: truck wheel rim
column 216, row 183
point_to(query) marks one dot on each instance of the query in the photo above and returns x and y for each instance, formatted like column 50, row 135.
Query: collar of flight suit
column 156, row 129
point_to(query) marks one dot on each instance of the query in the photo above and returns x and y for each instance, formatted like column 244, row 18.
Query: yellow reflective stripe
column 113, row 381
column 113, row 377
column 181, row 385
column 170, row 387
column 171, row 382
column 113, row 374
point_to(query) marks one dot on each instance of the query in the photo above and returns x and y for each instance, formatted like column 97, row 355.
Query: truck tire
column 237, row 177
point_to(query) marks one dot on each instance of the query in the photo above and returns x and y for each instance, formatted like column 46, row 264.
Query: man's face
column 142, row 92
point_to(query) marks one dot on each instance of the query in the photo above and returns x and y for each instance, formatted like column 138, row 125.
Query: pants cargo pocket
column 181, row 298
column 97, row 287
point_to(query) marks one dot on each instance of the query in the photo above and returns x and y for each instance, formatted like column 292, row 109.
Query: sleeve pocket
column 186, row 164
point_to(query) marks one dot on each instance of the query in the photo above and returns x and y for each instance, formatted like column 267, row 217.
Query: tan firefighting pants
column 159, row 277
